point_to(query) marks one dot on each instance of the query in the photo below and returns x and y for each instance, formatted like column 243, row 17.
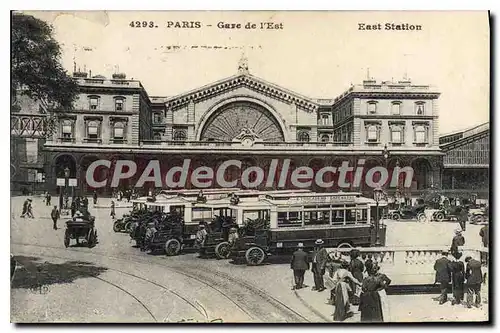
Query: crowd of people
column 357, row 282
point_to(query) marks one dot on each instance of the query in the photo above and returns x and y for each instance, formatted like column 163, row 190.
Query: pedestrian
column 474, row 277
column 340, row 295
column 48, row 198
column 356, row 267
column 463, row 217
column 30, row 209
column 112, row 210
column 200, row 236
column 368, row 263
column 85, row 202
column 319, row 259
column 25, row 208
column 484, row 233
column 370, row 302
column 233, row 236
column 443, row 276
column 95, row 197
column 73, row 208
column 55, row 216
column 299, row 265
column 334, row 263
column 458, row 240
column 457, row 279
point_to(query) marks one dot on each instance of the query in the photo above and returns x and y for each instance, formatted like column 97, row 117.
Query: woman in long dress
column 371, row 301
column 341, row 279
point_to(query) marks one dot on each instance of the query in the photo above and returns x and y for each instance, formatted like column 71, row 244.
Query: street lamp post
column 377, row 196
column 63, row 192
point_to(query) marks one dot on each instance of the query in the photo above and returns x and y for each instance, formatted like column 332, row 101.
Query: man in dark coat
column 319, row 259
column 463, row 217
column 458, row 240
column 48, row 197
column 369, row 264
column 457, row 279
column 474, row 277
column 443, row 276
column 95, row 197
column 299, row 265
column 484, row 233
column 55, row 216
column 356, row 267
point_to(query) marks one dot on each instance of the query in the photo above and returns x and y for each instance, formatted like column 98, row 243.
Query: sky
column 316, row 54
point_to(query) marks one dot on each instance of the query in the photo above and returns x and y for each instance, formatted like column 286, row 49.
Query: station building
column 246, row 118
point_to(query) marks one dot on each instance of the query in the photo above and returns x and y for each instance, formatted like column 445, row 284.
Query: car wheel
column 172, row 247
column 396, row 216
column 439, row 216
column 116, row 226
column 421, row 217
column 255, row 256
column 222, row 250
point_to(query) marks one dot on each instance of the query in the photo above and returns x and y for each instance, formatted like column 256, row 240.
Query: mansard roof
column 245, row 80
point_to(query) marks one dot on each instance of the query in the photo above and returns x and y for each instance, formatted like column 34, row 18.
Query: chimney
column 119, row 76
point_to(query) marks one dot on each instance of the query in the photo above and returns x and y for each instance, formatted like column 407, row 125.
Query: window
column 92, row 130
column 180, row 135
column 94, row 102
column 325, row 119
column 157, row 137
column 67, row 129
column 325, row 138
column 372, row 133
column 118, row 130
column 372, row 107
column 420, row 108
column 396, row 108
column 420, row 134
column 396, row 135
column 156, row 118
column 303, row 136
column 119, row 104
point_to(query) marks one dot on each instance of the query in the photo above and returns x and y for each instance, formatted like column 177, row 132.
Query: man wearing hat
column 443, row 276
column 457, row 278
column 319, row 259
column 458, row 240
column 474, row 276
column 299, row 265
column 201, row 234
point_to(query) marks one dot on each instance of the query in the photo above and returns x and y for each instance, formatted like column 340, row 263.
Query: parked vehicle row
column 249, row 224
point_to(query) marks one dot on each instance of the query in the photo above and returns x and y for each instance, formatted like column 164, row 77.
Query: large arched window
column 118, row 130
column 420, row 134
column 303, row 136
column 325, row 138
column 372, row 133
column 67, row 129
column 93, row 129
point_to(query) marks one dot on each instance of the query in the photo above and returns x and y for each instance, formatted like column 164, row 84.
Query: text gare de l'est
column 227, row 25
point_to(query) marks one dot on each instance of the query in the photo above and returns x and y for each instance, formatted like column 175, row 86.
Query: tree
column 36, row 68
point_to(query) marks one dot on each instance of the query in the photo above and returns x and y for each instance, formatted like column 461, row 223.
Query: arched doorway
column 422, row 174
column 229, row 121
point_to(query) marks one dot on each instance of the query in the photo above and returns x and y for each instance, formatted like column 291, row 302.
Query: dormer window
column 420, row 108
column 94, row 102
column 119, row 103
column 396, row 108
column 372, row 107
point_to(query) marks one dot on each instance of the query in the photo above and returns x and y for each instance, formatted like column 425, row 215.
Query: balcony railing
column 237, row 144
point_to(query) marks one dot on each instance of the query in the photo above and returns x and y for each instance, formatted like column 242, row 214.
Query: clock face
column 247, row 142
column 228, row 122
